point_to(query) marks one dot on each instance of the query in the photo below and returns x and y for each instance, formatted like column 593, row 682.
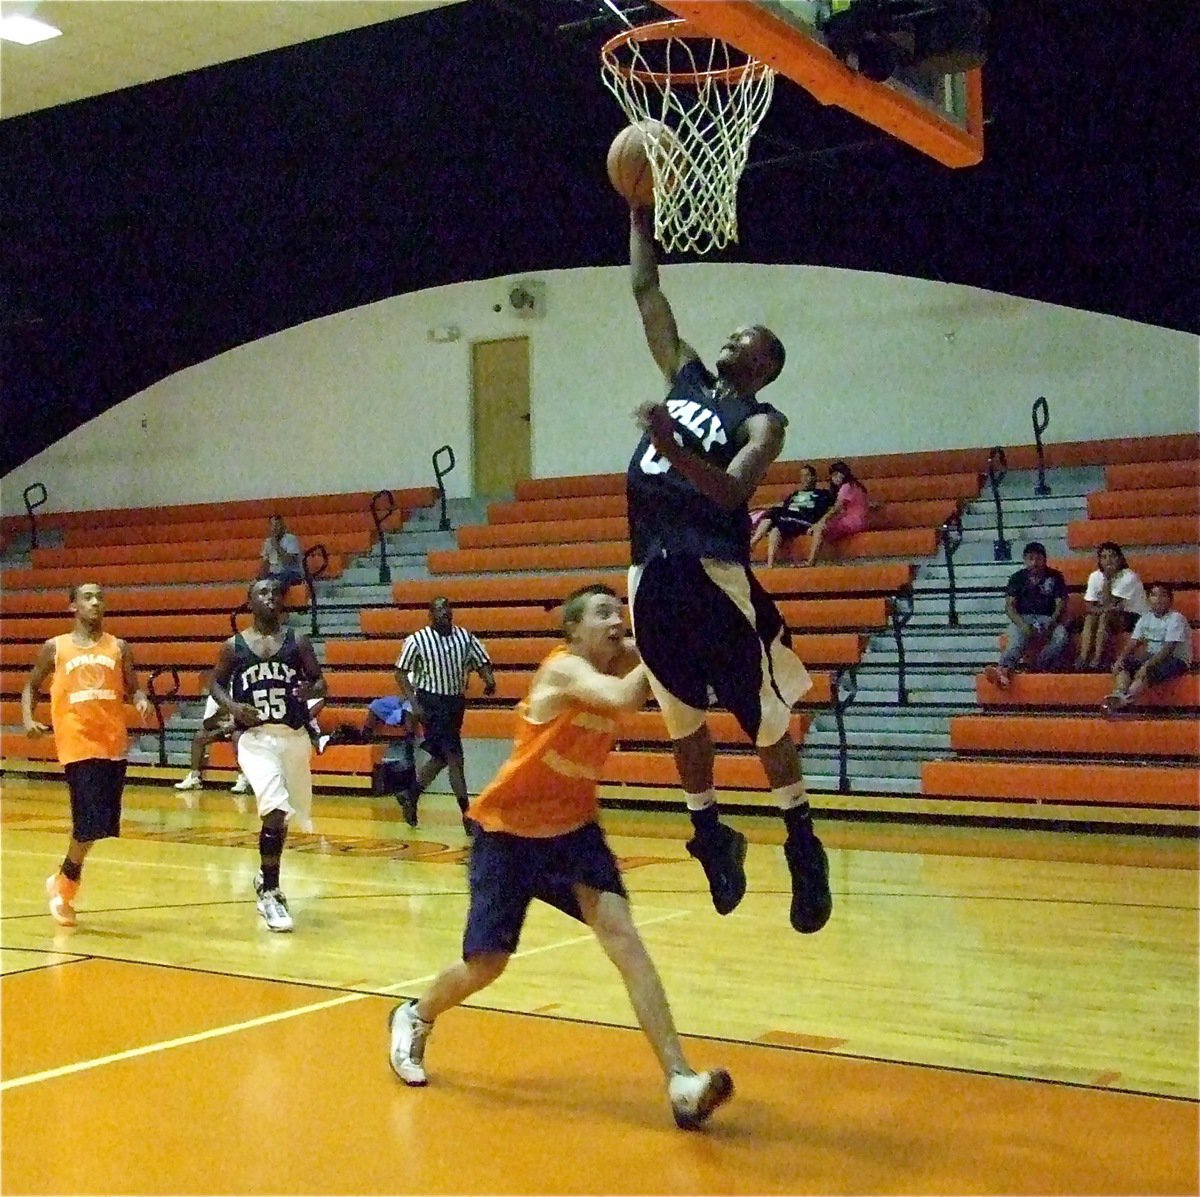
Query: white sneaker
column 407, row 1048
column 322, row 743
column 696, row 1095
column 240, row 786
column 272, row 905
column 190, row 782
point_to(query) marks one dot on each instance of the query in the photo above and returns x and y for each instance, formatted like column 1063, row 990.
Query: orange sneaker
column 61, row 891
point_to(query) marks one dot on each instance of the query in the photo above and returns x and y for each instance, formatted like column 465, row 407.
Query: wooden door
column 500, row 414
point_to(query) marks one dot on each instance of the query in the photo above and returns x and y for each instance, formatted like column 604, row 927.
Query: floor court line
column 315, row 1007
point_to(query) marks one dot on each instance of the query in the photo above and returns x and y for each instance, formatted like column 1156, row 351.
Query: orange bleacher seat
column 880, row 578
column 909, row 542
column 337, row 758
column 10, row 715
column 832, row 649
column 193, row 681
column 1153, row 475
column 1117, row 785
column 1120, row 639
column 1130, row 504
column 1179, row 569
column 131, row 627
column 350, row 543
column 914, row 464
column 1091, row 735
column 1187, row 602
column 562, row 530
column 260, row 509
column 188, row 653
column 1143, row 530
column 163, row 573
column 798, row 613
column 1083, row 690
column 903, row 542
column 134, row 599
column 499, row 723
column 611, row 504
column 312, row 529
column 16, row 746
column 730, row 772
column 363, row 685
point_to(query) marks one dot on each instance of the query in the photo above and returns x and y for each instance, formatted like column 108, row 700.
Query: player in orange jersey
column 539, row 838
column 93, row 678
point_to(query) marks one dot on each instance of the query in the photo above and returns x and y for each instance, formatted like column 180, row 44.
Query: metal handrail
column 310, row 579
column 158, row 699
column 845, row 690
column 900, row 611
column 951, row 536
column 997, row 472
column 1041, row 421
column 30, row 508
column 440, row 474
column 378, row 499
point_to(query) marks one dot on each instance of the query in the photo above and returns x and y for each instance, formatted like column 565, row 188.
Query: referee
column 431, row 672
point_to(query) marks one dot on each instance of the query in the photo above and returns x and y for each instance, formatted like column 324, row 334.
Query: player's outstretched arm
column 658, row 321
column 572, row 677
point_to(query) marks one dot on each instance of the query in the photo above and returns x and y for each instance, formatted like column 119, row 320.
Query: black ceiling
column 150, row 229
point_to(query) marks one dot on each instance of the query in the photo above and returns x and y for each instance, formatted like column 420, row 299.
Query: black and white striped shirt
column 439, row 664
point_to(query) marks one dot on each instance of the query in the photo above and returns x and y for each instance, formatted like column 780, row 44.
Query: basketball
column 628, row 164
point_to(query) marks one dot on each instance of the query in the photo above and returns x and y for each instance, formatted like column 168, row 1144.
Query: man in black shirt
column 1035, row 602
column 263, row 680
column 701, row 620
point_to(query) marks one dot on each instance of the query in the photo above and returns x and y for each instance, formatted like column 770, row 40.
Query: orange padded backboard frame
column 807, row 62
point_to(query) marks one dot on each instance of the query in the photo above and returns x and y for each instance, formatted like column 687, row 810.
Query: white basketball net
column 711, row 97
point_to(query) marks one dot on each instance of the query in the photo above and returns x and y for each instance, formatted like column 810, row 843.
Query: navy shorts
column 1164, row 671
column 702, row 624
column 508, row 871
column 443, row 723
column 96, row 787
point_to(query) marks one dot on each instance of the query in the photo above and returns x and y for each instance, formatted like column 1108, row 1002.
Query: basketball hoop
column 711, row 98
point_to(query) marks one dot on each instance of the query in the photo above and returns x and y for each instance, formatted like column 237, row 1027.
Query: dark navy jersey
column 269, row 683
column 667, row 514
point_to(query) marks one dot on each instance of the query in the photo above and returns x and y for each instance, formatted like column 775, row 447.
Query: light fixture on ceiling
column 26, row 30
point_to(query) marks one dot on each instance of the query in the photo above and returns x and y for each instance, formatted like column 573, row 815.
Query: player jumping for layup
column 700, row 617
column 264, row 679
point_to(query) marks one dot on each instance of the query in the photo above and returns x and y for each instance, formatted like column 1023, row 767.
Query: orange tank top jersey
column 548, row 785
column 87, row 700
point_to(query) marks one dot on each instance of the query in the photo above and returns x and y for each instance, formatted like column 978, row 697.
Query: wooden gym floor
column 987, row 1012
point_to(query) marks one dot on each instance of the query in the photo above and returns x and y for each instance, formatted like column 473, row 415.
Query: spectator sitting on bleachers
column 282, row 556
column 1115, row 601
column 1160, row 647
column 795, row 516
column 848, row 514
column 392, row 711
column 1035, row 601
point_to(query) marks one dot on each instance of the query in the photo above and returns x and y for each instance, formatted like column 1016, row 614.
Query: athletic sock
column 70, row 870
column 702, row 808
column 798, row 821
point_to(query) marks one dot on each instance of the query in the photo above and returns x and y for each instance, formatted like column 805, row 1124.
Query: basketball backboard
column 939, row 114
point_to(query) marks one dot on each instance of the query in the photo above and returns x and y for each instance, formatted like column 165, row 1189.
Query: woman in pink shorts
column 848, row 513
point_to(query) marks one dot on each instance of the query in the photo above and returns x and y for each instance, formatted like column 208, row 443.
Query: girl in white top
column 1115, row 600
